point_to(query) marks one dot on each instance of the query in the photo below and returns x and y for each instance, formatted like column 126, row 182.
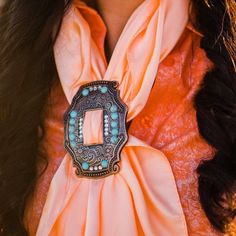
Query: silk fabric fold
column 142, row 199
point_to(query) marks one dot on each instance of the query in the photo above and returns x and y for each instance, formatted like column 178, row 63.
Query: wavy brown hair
column 28, row 30
column 216, row 109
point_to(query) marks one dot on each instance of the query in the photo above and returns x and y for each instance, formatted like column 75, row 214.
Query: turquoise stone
column 72, row 121
column 71, row 129
column 113, row 108
column 73, row 144
column 73, row 114
column 104, row 89
column 72, row 137
column 85, row 165
column 114, row 124
column 85, row 92
column 114, row 131
column 114, row 139
column 104, row 163
column 114, row 115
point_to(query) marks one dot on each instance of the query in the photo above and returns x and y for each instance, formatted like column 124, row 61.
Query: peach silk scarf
column 141, row 199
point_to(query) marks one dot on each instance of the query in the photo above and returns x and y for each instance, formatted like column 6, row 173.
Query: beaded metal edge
column 96, row 160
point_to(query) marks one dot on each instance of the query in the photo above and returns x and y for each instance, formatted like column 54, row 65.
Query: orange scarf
column 142, row 198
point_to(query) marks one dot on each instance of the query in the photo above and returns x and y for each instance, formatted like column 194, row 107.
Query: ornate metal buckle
column 96, row 160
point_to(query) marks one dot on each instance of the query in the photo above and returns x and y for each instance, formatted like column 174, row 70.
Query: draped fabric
column 142, row 199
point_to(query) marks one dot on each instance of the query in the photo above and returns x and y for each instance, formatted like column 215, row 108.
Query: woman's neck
column 115, row 14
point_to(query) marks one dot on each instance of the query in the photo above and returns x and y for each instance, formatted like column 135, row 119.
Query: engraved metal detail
column 98, row 160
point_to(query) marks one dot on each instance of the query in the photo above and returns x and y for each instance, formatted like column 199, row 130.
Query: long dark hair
column 216, row 109
column 28, row 29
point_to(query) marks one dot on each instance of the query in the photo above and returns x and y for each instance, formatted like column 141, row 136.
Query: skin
column 115, row 14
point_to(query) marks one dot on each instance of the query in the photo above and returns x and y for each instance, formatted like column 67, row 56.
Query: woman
column 49, row 49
